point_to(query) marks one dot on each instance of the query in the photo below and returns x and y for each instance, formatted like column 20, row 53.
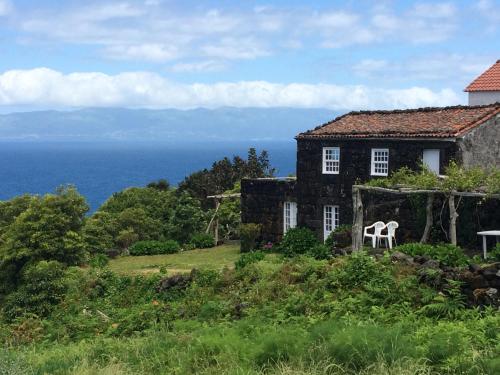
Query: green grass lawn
column 214, row 258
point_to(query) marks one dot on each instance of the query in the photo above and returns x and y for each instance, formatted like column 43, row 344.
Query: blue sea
column 100, row 169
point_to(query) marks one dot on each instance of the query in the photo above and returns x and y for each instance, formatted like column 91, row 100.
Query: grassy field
column 214, row 258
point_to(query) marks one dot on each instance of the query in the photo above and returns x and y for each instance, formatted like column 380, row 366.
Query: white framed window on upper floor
column 289, row 216
column 330, row 220
column 380, row 162
column 331, row 160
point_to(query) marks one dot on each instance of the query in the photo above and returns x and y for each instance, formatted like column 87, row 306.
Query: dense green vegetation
column 297, row 307
column 352, row 314
column 447, row 254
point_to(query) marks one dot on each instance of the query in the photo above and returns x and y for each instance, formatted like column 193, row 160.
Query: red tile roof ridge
column 494, row 106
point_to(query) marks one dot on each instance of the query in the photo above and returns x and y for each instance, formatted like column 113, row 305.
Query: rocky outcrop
column 480, row 284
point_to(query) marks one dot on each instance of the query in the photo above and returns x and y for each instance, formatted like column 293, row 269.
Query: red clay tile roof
column 488, row 81
column 445, row 122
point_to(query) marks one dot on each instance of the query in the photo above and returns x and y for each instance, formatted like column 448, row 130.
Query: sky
column 340, row 55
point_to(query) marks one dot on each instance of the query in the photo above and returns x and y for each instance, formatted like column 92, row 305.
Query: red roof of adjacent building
column 445, row 122
column 488, row 81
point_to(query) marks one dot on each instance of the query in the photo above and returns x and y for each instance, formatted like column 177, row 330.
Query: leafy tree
column 137, row 219
column 49, row 229
column 99, row 232
column 161, row 184
column 128, row 216
column 258, row 165
column 224, row 174
column 155, row 202
column 11, row 209
column 42, row 286
column 126, row 237
column 187, row 218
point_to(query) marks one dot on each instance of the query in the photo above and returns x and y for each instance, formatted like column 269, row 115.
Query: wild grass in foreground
column 347, row 315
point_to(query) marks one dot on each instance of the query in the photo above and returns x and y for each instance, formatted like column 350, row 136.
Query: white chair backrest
column 391, row 228
column 379, row 226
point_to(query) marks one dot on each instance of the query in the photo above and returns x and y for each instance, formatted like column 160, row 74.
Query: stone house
column 359, row 146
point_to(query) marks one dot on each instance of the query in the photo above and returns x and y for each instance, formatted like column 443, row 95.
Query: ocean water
column 100, row 169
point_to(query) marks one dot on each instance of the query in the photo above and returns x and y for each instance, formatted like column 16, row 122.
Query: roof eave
column 439, row 138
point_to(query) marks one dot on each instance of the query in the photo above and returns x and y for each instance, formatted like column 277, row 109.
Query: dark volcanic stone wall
column 481, row 146
column 315, row 189
column 262, row 203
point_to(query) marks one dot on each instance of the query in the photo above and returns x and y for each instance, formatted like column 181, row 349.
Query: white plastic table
column 485, row 233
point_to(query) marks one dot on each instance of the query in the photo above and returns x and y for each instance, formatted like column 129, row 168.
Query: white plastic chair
column 390, row 236
column 377, row 230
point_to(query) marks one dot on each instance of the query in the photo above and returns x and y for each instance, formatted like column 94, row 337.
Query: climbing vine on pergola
column 457, row 182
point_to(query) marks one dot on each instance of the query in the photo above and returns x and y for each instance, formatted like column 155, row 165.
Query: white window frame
column 377, row 164
column 331, row 160
column 289, row 215
column 331, row 219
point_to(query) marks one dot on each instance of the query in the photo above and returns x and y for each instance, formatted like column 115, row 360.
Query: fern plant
column 448, row 304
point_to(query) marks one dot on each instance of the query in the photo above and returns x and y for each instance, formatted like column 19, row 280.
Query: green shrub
column 249, row 235
column 495, row 253
column 154, row 247
column 297, row 241
column 447, row 254
column 248, row 258
column 126, row 237
column 137, row 319
column 211, row 310
column 205, row 278
column 99, row 261
column 361, row 270
column 42, row 287
column 321, row 251
column 202, row 241
column 340, row 237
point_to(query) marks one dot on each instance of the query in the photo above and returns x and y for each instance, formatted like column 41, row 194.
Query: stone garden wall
column 262, row 203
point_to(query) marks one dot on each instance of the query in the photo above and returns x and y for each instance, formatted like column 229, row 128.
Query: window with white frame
column 289, row 216
column 331, row 160
column 330, row 220
column 380, row 161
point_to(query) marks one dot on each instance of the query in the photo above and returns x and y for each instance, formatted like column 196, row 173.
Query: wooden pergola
column 357, row 227
column 214, row 220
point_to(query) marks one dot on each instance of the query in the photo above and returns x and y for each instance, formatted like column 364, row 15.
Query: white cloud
column 155, row 31
column 235, row 49
column 198, row 67
column 439, row 67
column 148, row 52
column 368, row 67
column 47, row 87
column 422, row 23
column 5, row 7
column 434, row 10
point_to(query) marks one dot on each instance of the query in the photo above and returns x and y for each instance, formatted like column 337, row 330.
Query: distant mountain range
column 170, row 125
